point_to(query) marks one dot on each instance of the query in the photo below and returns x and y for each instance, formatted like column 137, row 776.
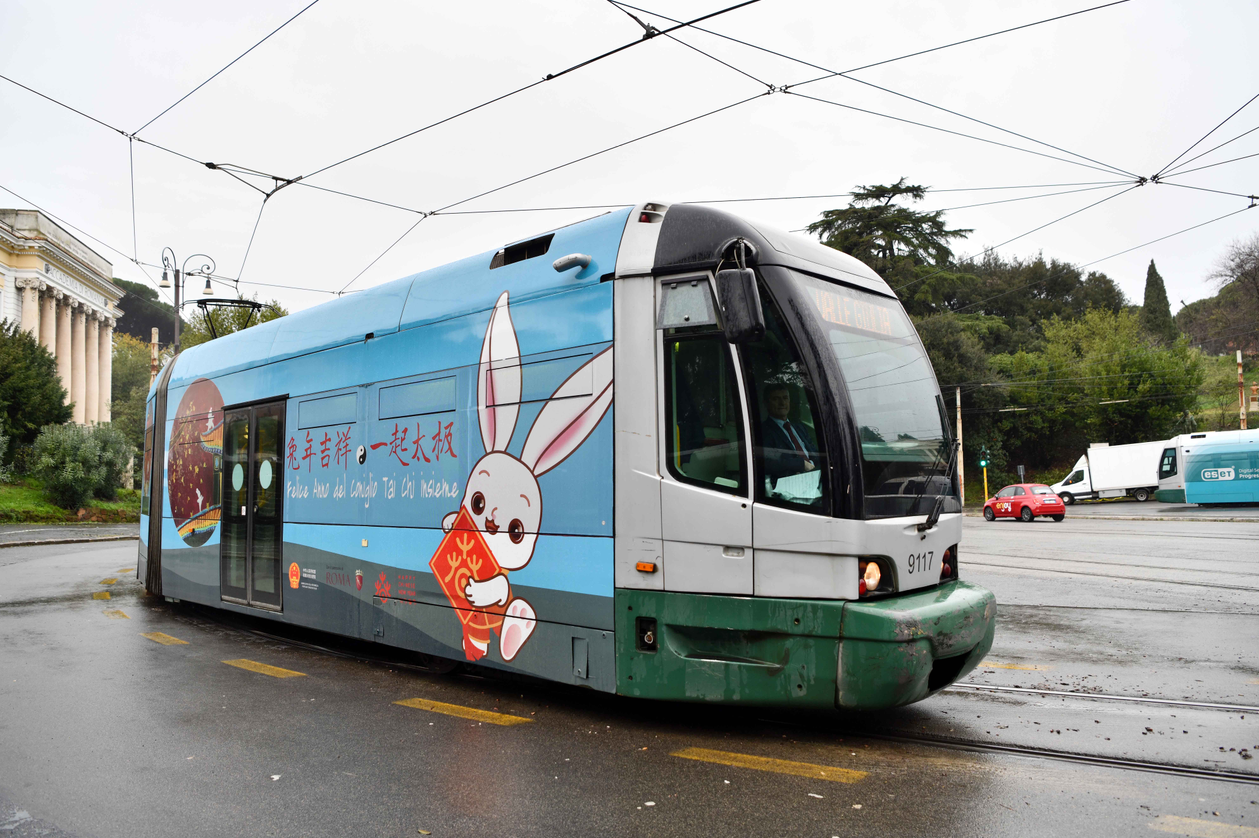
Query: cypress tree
column 1156, row 312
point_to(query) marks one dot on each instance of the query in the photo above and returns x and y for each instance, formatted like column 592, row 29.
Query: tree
column 31, row 395
column 130, row 386
column 228, row 320
column 1156, row 312
column 143, row 310
column 887, row 236
column 1240, row 266
column 1099, row 379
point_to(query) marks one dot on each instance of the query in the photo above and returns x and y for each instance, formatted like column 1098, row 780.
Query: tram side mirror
column 741, row 314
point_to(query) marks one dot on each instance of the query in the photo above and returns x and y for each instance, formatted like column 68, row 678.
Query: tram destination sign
column 851, row 312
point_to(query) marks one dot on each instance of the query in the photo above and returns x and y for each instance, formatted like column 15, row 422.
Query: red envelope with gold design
column 463, row 555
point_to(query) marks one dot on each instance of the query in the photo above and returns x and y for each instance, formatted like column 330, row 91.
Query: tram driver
column 789, row 447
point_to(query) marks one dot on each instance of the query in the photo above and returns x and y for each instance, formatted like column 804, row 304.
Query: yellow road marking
column 778, row 766
column 115, row 614
column 1256, row 681
column 111, row 580
column 1202, row 829
column 101, row 595
column 264, row 669
column 1028, row 666
column 164, row 639
column 126, row 570
column 463, row 712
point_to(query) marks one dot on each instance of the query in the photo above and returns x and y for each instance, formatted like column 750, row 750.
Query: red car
column 1025, row 501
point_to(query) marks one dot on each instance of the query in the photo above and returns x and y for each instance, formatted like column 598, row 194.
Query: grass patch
column 23, row 502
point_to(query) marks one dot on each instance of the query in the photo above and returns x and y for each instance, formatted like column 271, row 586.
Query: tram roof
column 691, row 237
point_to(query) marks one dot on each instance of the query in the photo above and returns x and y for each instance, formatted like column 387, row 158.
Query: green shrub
column 115, row 454
column 6, row 473
column 68, row 459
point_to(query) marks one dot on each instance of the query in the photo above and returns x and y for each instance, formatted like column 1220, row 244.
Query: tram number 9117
column 921, row 562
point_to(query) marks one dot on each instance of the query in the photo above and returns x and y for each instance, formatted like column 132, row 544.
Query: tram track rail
column 966, row 687
column 1119, row 763
column 899, row 737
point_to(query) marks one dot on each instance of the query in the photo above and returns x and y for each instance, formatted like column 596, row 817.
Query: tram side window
column 1167, row 466
column 146, row 489
column 789, row 450
column 705, row 420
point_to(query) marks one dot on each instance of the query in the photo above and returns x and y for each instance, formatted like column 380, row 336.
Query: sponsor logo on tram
column 295, row 575
column 1219, row 474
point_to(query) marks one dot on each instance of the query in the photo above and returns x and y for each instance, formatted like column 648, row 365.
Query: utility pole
column 961, row 462
column 153, row 370
column 1241, row 390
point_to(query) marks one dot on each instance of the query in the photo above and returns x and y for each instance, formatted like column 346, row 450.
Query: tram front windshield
column 892, row 390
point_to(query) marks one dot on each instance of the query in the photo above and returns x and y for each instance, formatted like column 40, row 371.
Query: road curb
column 67, row 541
column 1128, row 518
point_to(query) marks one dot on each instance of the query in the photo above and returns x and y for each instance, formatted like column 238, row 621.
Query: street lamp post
column 169, row 260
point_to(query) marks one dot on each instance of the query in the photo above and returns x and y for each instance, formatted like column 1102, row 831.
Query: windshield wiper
column 934, row 516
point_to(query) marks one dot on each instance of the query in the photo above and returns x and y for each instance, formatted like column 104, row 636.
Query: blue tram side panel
column 1225, row 472
column 501, row 377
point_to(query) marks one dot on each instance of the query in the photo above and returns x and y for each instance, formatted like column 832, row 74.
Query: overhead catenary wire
column 545, row 172
column 831, row 74
column 173, row 105
column 950, row 131
column 522, row 89
column 651, row 31
column 1200, row 155
column 988, row 250
column 1208, row 166
column 1207, row 134
column 844, row 74
column 80, row 230
column 1104, row 258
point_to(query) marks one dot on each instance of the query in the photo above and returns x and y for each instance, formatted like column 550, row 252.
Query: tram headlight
column 871, row 576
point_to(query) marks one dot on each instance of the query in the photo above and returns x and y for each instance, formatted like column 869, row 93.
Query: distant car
column 1025, row 501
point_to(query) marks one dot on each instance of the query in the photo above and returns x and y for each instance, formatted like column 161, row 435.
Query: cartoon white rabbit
column 502, row 493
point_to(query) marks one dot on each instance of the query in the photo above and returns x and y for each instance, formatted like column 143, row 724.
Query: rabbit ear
column 567, row 419
column 498, row 379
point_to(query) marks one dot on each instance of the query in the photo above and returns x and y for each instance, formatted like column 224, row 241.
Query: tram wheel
column 1058, row 517
column 989, row 515
column 1025, row 514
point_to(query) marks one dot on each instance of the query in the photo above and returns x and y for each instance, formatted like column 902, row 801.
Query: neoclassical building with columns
column 59, row 290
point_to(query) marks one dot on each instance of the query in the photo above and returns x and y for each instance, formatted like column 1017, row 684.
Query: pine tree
column 1156, row 312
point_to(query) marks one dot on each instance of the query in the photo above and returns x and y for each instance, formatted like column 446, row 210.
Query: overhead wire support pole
column 961, row 468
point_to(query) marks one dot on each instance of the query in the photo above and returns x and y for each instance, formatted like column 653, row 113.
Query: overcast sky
column 1131, row 86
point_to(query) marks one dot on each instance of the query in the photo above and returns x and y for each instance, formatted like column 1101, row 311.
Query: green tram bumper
column 801, row 652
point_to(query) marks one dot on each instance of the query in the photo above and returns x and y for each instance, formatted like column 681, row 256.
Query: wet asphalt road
column 104, row 731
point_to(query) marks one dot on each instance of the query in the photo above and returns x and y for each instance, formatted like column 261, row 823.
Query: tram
column 1213, row 467
column 662, row 452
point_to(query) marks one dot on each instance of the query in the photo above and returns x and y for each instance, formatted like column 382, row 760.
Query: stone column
column 48, row 321
column 30, row 304
column 104, row 412
column 64, row 315
column 92, row 370
column 78, row 362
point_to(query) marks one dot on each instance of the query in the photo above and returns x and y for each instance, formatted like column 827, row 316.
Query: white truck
column 1113, row 471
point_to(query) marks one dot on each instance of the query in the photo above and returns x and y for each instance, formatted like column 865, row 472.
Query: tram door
column 251, row 561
